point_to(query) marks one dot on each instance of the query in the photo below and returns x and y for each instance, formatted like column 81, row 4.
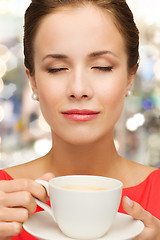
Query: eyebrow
column 91, row 55
column 100, row 53
column 56, row 56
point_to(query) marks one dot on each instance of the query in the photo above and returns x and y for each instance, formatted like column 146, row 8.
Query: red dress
column 147, row 194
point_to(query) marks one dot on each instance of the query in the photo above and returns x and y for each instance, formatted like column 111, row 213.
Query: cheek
column 116, row 96
column 49, row 99
column 112, row 98
column 49, row 91
column 113, row 93
column 113, row 102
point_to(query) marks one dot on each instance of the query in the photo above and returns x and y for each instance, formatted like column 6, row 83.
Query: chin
column 83, row 140
column 82, row 137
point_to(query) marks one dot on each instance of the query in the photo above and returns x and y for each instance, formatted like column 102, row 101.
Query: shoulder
column 143, row 172
column 138, row 173
column 147, row 172
column 30, row 170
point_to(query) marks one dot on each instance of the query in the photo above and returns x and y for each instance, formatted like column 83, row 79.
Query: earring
column 34, row 96
column 129, row 93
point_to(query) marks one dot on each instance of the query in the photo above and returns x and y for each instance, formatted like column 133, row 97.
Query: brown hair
column 119, row 10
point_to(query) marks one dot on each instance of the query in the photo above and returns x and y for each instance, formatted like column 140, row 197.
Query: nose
column 79, row 86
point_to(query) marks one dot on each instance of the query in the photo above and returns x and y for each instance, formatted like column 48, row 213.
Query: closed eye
column 56, row 70
column 103, row 69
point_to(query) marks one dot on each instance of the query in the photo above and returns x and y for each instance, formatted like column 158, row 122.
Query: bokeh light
column 15, row 7
column 42, row 146
column 43, row 124
column 1, row 113
column 1, row 85
column 4, row 53
column 133, row 123
column 3, row 68
column 139, row 118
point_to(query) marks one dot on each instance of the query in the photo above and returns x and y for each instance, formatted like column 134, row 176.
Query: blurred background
column 24, row 134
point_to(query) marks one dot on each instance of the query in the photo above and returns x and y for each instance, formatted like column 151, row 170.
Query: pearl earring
column 129, row 93
column 34, row 96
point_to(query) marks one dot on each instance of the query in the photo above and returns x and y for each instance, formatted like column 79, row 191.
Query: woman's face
column 81, row 75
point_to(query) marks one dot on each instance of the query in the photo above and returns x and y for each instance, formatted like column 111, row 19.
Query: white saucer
column 42, row 226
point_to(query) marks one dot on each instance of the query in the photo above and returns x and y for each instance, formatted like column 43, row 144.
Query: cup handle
column 45, row 184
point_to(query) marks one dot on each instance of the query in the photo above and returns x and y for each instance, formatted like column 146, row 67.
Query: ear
column 32, row 82
column 131, row 77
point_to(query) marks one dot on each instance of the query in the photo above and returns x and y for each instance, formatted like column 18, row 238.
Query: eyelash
column 56, row 70
column 102, row 69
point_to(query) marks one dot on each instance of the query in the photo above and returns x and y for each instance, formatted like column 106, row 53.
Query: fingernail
column 129, row 201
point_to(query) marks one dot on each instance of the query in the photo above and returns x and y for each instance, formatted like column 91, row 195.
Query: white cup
column 84, row 207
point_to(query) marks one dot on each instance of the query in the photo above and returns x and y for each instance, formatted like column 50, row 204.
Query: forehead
column 85, row 26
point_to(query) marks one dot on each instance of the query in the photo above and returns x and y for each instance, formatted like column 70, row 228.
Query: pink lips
column 80, row 115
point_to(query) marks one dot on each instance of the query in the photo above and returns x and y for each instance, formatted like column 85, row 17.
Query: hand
column 17, row 202
column 151, row 224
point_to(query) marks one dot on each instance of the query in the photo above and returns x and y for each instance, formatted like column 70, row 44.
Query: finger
column 137, row 212
column 47, row 176
column 146, row 234
column 9, row 229
column 13, row 215
column 18, row 199
column 29, row 185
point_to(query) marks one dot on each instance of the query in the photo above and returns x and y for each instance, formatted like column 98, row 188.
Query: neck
column 99, row 158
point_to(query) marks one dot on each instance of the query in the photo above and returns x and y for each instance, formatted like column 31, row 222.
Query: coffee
column 85, row 188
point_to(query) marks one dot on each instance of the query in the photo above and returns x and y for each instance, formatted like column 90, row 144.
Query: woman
column 81, row 58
